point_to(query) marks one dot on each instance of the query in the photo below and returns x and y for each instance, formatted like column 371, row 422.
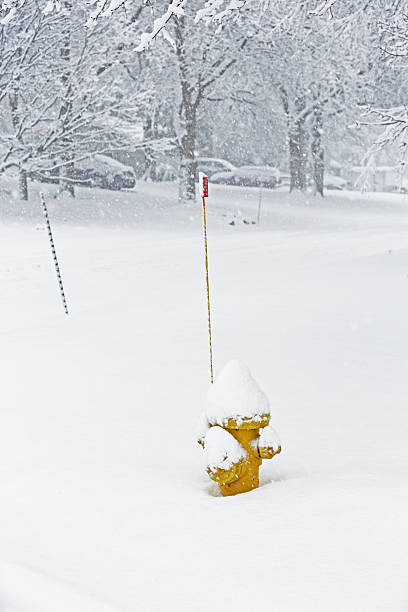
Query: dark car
column 249, row 176
column 334, row 182
column 212, row 165
column 96, row 171
column 105, row 172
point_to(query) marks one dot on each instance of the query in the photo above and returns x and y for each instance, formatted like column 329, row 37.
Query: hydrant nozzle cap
column 223, row 452
column 236, row 401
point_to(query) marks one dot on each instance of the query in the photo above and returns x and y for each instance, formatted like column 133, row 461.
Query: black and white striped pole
column 54, row 254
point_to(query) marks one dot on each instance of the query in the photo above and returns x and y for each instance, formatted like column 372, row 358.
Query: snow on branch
column 104, row 8
column 395, row 34
column 348, row 10
column 324, row 7
column 100, row 8
column 176, row 7
column 394, row 122
column 218, row 9
column 9, row 9
column 213, row 9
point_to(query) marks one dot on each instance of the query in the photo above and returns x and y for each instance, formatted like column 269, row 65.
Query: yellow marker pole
column 203, row 187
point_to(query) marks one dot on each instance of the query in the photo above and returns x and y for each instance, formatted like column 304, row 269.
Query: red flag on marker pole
column 203, row 184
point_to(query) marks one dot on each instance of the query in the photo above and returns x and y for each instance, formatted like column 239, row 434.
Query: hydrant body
column 235, row 445
column 249, row 478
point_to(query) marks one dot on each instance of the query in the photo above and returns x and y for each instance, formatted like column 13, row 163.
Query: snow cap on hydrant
column 229, row 430
column 236, row 401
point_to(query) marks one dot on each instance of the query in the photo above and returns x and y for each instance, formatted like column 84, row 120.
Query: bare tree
column 198, row 58
column 63, row 105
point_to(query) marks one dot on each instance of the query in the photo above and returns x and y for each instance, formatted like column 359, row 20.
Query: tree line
column 281, row 83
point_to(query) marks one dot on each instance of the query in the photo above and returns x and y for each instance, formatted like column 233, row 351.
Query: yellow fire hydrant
column 235, row 431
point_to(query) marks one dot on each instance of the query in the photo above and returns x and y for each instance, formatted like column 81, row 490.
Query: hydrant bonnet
column 236, row 401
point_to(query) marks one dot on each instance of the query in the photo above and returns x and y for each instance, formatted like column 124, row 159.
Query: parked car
column 398, row 189
column 105, row 172
column 213, row 165
column 284, row 180
column 331, row 181
column 96, row 171
column 165, row 167
column 249, row 176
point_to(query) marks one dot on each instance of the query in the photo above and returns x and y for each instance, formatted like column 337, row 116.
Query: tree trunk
column 22, row 184
column 187, row 119
column 298, row 147
column 66, row 184
column 188, row 163
column 15, row 118
column 22, row 173
column 151, row 132
column 66, row 178
column 317, row 150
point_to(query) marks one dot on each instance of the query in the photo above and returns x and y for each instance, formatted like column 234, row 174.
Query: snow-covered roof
column 236, row 396
column 375, row 169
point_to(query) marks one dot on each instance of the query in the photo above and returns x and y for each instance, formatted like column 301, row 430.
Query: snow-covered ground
column 104, row 502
